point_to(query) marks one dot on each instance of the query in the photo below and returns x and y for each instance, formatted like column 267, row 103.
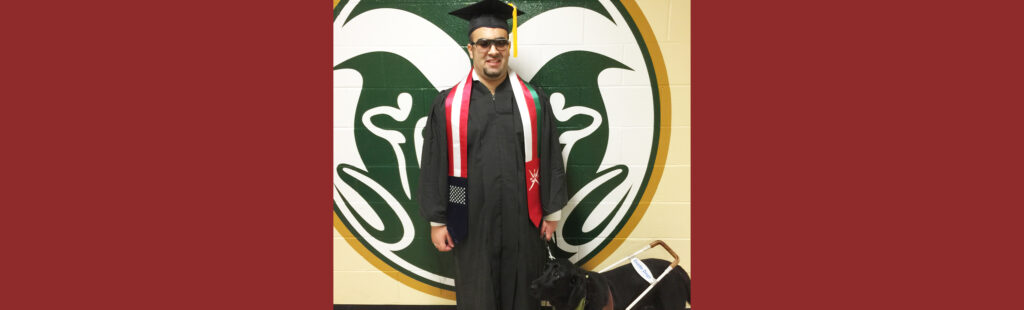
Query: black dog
column 565, row 285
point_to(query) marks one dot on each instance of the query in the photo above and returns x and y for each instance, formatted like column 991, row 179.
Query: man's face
column 491, row 62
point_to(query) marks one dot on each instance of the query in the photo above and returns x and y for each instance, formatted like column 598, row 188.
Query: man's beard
column 493, row 74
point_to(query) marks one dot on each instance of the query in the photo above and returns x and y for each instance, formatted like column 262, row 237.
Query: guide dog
column 566, row 286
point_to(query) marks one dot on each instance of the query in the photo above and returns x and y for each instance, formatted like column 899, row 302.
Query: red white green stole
column 457, row 116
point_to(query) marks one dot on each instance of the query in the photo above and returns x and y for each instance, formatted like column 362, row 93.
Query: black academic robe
column 503, row 252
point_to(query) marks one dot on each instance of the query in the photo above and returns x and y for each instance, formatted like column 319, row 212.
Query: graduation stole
column 457, row 117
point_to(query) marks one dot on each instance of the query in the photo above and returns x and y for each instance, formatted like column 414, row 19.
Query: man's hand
column 442, row 241
column 547, row 228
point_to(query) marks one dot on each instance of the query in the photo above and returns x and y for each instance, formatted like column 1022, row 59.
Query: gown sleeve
column 553, row 192
column 433, row 185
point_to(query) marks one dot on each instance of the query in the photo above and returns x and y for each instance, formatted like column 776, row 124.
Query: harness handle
column 675, row 262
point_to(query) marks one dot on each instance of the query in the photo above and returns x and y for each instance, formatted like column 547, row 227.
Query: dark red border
column 167, row 155
column 846, row 155
column 857, row 155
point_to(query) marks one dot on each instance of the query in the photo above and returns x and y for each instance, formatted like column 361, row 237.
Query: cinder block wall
column 356, row 281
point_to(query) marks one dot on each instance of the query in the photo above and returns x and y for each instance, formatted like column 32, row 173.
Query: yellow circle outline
column 661, row 75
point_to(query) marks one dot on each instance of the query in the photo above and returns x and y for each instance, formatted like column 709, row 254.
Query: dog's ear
column 578, row 284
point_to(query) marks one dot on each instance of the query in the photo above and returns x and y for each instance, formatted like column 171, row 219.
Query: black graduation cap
column 488, row 13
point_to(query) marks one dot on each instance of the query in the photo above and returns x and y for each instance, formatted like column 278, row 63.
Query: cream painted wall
column 356, row 281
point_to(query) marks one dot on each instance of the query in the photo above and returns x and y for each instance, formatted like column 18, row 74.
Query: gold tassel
column 515, row 35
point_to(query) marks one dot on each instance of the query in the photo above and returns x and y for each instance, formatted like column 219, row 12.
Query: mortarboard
column 491, row 14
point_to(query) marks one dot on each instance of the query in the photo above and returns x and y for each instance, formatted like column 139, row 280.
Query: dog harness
column 607, row 306
column 583, row 301
column 457, row 117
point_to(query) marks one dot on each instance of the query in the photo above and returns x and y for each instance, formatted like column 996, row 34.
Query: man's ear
column 469, row 50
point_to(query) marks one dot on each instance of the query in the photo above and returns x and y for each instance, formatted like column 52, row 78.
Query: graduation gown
column 503, row 251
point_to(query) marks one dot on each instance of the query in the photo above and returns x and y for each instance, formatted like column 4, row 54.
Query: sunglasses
column 500, row 44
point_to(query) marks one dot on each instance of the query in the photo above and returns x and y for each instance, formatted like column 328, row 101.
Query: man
column 491, row 169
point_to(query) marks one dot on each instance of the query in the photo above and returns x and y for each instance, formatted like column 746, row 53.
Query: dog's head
column 560, row 283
